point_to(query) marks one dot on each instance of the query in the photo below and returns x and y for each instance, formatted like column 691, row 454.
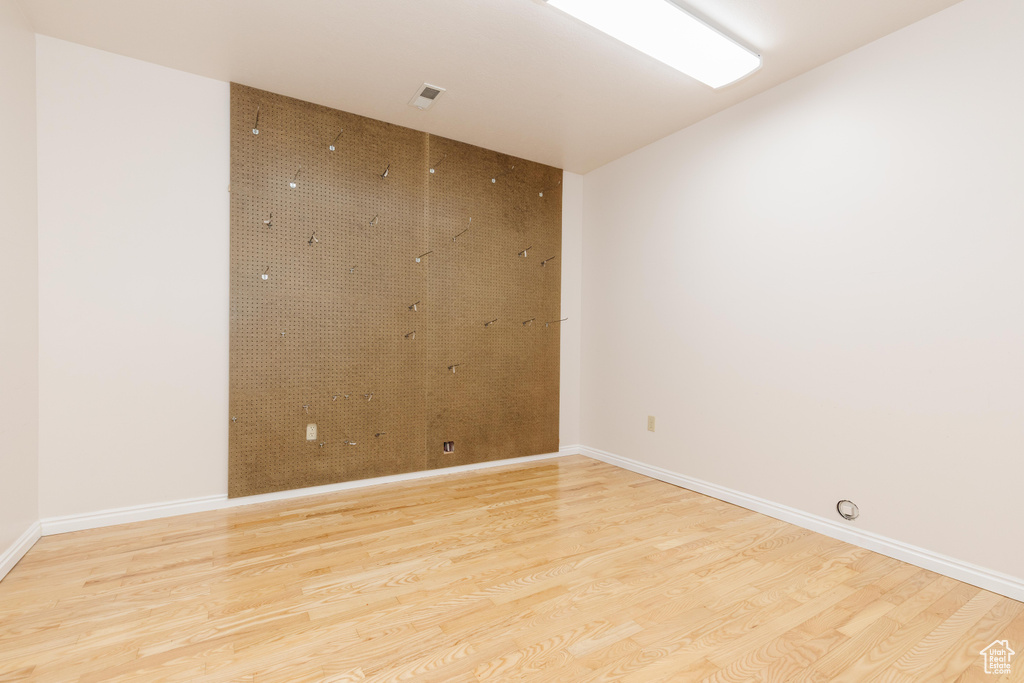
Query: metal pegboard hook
column 502, row 174
column 256, row 123
column 335, row 140
column 555, row 322
column 456, row 237
column 441, row 161
column 541, row 193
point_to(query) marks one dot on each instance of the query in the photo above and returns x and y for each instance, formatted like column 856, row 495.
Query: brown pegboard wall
column 328, row 327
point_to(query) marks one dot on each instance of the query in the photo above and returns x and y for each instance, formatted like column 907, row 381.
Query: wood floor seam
column 559, row 570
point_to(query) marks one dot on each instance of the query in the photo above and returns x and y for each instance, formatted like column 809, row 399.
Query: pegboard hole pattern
column 334, row 322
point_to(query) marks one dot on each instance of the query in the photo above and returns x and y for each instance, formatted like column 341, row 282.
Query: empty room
column 511, row 340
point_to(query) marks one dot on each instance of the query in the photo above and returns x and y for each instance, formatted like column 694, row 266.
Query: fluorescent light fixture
column 661, row 29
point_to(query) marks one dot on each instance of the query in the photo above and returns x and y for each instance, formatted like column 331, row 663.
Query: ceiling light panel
column 661, row 29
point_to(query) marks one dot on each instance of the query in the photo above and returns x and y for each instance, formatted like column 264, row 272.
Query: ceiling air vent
column 426, row 96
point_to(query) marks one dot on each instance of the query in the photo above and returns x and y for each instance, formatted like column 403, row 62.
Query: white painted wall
column 134, row 267
column 572, row 283
column 19, row 292
column 133, row 281
column 819, row 291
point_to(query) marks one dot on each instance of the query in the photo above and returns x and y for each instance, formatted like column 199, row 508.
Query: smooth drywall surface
column 572, row 272
column 818, row 293
column 133, row 281
column 19, row 301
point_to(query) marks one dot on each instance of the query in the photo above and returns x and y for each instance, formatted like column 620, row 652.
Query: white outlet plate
column 311, row 432
column 650, row 423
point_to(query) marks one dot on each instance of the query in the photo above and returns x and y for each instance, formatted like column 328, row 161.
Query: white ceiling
column 522, row 78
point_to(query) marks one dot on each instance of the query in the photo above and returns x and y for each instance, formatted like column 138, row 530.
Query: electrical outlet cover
column 311, row 432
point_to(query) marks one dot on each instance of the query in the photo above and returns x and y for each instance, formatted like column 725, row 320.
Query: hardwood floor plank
column 564, row 570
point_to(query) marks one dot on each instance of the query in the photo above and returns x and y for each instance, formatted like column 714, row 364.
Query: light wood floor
column 564, row 570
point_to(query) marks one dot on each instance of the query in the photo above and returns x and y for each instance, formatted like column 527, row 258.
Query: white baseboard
column 408, row 476
column 136, row 513
column 990, row 580
column 17, row 550
column 996, row 582
column 142, row 513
